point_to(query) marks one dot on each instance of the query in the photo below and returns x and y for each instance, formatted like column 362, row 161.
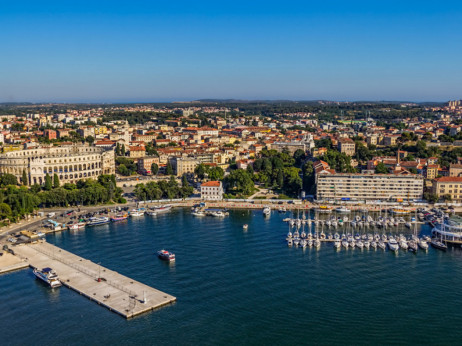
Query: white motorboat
column 403, row 245
column 423, row 244
column 245, row 227
column 337, row 244
column 266, row 211
column 360, row 244
column 413, row 245
column 342, row 210
column 393, row 244
column 381, row 244
column 136, row 212
column 48, row 276
column 345, row 243
column 317, row 243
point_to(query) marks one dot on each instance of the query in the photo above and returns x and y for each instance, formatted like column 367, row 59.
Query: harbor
column 108, row 288
column 235, row 280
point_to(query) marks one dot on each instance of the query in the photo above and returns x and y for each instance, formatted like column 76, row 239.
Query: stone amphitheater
column 70, row 163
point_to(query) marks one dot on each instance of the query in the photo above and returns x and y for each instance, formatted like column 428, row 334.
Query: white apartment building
column 360, row 187
column 212, row 191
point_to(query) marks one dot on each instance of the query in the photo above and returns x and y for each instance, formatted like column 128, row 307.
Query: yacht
column 393, row 244
column 48, row 276
column 360, row 244
column 96, row 221
column 337, row 244
column 195, row 212
column 437, row 244
column 413, row 245
column 345, row 243
column 381, row 244
column 374, row 244
column 403, row 244
column 218, row 213
column 423, row 244
column 342, row 210
column 166, row 256
column 162, row 208
column 317, row 243
column 290, row 242
column 266, row 211
column 303, row 243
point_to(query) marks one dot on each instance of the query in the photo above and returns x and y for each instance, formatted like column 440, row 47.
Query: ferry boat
column 136, row 212
column 266, row 211
column 119, row 217
column 76, row 225
column 48, row 276
column 449, row 230
column 96, row 221
column 166, row 256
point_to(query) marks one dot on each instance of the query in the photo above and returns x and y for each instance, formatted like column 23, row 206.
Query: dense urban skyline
column 140, row 52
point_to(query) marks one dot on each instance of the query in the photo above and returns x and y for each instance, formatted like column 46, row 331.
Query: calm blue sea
column 241, row 288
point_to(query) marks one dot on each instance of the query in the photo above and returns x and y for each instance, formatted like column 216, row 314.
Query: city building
column 212, row 191
column 70, row 163
column 185, row 165
column 448, row 186
column 360, row 187
column 346, row 146
column 455, row 170
column 145, row 163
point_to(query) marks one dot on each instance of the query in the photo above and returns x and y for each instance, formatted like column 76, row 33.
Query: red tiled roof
column 211, row 184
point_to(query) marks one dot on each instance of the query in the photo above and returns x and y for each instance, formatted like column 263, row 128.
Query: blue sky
column 146, row 51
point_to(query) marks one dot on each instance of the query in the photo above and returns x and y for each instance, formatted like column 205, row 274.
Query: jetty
column 118, row 293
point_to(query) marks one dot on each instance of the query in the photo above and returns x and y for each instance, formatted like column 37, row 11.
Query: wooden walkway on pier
column 116, row 292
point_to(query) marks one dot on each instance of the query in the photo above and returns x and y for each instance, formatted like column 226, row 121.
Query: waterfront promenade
column 108, row 288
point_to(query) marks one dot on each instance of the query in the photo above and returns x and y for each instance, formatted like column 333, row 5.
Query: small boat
column 381, row 244
column 76, row 225
column 437, row 244
column 367, row 244
column 374, row 244
column 48, row 276
column 393, row 244
column 136, row 212
column 96, row 221
column 317, row 243
column 345, row 243
column 342, row 210
column 266, row 211
column 413, row 247
column 400, row 211
column 119, row 217
column 423, row 244
column 166, row 256
column 217, row 213
column 407, row 224
column 162, row 208
column 193, row 213
column 403, row 245
column 303, row 243
column 337, row 244
column 290, row 242
column 245, row 227
column 360, row 244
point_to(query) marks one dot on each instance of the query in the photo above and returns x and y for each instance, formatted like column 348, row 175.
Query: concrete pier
column 9, row 262
column 116, row 292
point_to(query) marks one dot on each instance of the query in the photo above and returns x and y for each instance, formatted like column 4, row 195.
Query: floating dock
column 118, row 293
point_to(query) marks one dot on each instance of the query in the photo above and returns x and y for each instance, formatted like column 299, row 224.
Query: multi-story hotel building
column 360, row 187
column 70, row 163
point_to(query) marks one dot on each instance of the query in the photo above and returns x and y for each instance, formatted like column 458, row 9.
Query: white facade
column 212, row 191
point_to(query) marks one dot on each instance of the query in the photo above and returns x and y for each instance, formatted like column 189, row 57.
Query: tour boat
column 76, row 226
column 48, row 276
column 166, row 256
column 119, row 217
column 136, row 212
column 96, row 221
column 266, row 211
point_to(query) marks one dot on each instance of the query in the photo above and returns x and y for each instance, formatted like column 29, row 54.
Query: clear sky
column 146, row 51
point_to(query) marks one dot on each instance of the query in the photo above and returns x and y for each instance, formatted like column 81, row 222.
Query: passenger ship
column 449, row 230
column 96, row 221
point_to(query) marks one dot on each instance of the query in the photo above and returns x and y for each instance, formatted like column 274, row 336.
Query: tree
column 90, row 140
column 216, row 173
column 24, row 179
column 381, row 168
column 48, row 183
column 241, row 181
column 55, row 181
column 122, row 150
column 299, row 156
column 200, row 171
column 154, row 168
column 9, row 179
column 169, row 168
